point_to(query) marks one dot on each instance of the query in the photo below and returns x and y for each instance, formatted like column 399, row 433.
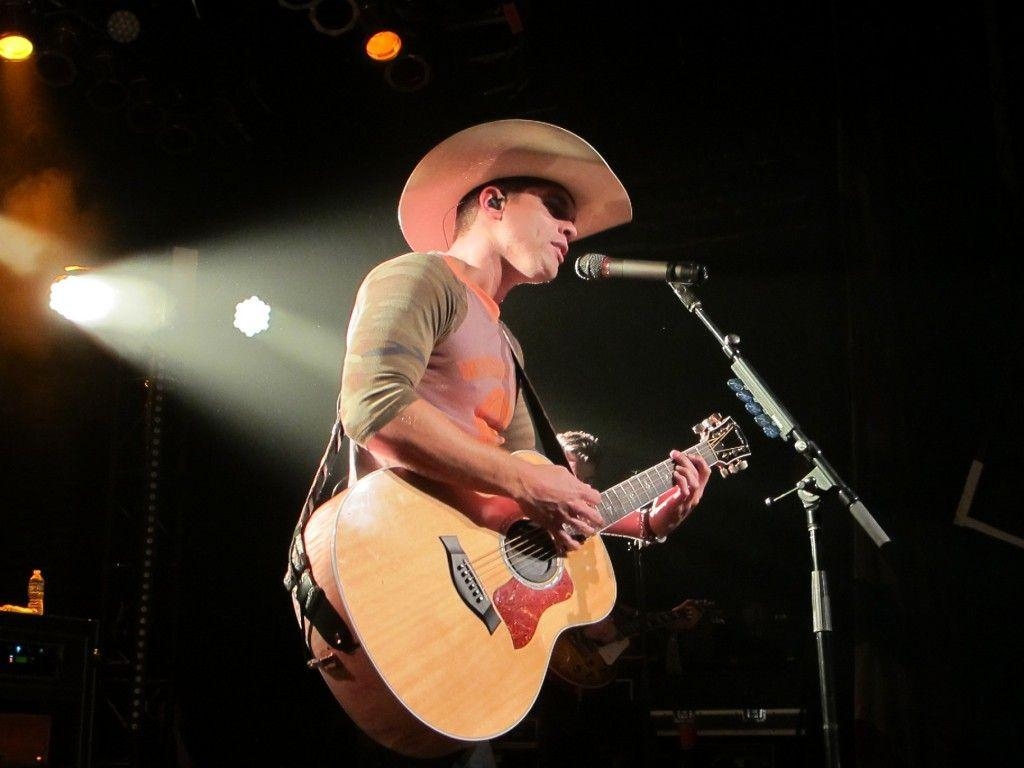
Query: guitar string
column 525, row 547
column 538, row 540
column 522, row 547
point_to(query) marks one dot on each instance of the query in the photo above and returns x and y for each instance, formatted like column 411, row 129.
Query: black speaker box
column 47, row 690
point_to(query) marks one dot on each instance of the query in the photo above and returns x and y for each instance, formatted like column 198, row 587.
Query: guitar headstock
column 725, row 441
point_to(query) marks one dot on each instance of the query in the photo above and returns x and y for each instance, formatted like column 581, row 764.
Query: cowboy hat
column 499, row 149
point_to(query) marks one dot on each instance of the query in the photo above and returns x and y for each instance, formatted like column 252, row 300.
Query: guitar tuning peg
column 733, row 468
column 698, row 428
column 710, row 422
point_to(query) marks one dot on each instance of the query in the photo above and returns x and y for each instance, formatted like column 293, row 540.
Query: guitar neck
column 637, row 624
column 644, row 487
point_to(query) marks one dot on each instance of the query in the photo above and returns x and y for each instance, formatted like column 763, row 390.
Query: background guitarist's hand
column 560, row 503
column 689, row 613
column 671, row 508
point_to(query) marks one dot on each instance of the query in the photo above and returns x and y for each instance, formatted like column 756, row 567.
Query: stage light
column 108, row 92
column 389, row 38
column 384, row 45
column 225, row 124
column 252, row 316
column 15, row 40
column 55, row 57
column 333, row 17
column 144, row 114
column 81, row 297
column 123, row 27
column 178, row 137
column 408, row 73
column 14, row 46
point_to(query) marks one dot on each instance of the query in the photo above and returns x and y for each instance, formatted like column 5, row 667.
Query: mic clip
column 686, row 273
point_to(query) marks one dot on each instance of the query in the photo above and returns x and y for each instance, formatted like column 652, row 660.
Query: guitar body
column 577, row 659
column 456, row 602
column 585, row 662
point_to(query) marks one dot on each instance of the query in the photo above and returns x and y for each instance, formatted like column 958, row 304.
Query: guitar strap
column 329, row 480
column 298, row 580
column 552, row 448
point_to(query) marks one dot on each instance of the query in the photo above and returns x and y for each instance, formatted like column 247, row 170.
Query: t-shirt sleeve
column 403, row 308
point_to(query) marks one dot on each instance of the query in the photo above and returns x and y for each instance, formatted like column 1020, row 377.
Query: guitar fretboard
column 636, row 624
column 644, row 487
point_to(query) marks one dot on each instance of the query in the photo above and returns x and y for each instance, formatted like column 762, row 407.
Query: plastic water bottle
column 35, row 591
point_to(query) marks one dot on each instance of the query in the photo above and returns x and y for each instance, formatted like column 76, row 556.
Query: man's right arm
column 401, row 312
column 426, row 441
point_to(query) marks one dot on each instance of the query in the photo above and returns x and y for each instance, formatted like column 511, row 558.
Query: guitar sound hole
column 530, row 552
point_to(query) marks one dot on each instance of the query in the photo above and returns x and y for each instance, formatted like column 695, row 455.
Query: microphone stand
column 776, row 421
column 644, row 694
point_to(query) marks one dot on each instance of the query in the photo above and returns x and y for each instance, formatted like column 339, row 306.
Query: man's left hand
column 671, row 508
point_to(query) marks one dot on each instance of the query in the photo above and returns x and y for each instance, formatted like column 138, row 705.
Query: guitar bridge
column 468, row 585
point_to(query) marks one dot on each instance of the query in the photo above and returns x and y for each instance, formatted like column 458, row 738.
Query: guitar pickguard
column 521, row 606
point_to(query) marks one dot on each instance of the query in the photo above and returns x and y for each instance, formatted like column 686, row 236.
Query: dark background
column 846, row 171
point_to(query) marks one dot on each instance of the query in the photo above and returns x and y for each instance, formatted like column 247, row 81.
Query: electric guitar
column 586, row 662
column 456, row 599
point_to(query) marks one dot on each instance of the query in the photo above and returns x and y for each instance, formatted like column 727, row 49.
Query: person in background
column 581, row 717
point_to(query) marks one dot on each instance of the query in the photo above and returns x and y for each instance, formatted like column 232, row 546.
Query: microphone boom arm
column 825, row 475
column 822, row 478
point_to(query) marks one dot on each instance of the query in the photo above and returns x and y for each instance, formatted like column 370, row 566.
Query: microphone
column 596, row 266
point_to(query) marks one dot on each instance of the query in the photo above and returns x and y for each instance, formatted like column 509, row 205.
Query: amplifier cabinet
column 718, row 723
column 47, row 690
column 748, row 737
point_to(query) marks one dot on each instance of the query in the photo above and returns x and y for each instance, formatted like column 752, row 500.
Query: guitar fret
column 707, row 453
column 632, row 493
column 646, row 483
column 661, row 478
column 611, row 506
column 635, row 492
column 644, row 487
column 622, row 500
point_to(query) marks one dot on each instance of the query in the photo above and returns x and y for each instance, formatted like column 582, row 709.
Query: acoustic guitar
column 456, row 599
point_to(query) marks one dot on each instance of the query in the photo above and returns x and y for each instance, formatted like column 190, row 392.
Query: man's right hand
column 552, row 497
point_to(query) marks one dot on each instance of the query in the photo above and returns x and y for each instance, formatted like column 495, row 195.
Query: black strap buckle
column 317, row 609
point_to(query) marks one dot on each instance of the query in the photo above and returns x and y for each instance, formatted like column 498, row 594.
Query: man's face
column 540, row 228
column 584, row 470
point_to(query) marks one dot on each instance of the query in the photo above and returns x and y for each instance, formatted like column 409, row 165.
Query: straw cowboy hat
column 499, row 149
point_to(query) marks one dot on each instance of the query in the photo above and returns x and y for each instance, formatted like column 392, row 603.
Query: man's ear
column 492, row 198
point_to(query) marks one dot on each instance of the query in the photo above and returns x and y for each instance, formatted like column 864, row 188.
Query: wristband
column 647, row 531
